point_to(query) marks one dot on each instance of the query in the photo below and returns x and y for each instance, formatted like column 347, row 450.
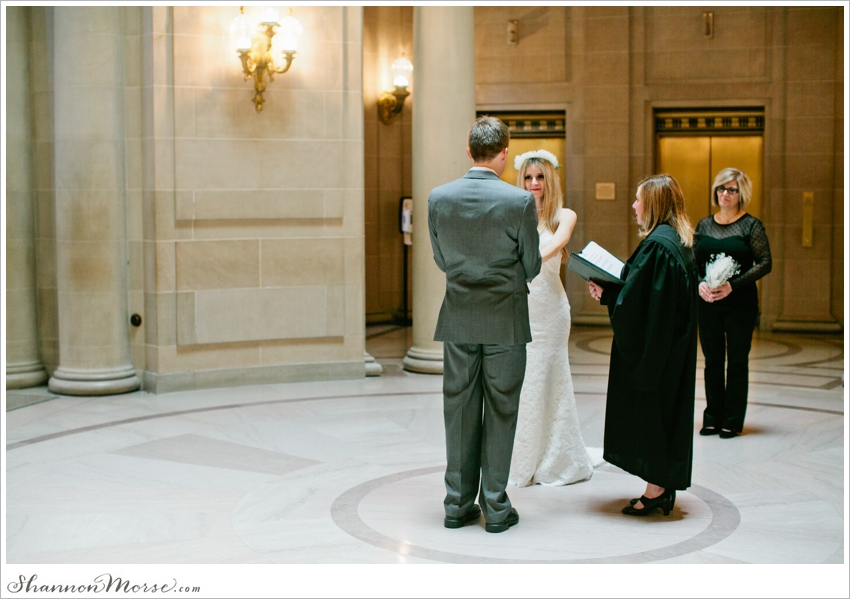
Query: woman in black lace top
column 728, row 314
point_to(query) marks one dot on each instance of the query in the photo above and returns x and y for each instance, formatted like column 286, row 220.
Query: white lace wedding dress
column 548, row 447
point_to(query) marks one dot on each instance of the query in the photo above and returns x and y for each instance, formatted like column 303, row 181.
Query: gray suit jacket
column 484, row 237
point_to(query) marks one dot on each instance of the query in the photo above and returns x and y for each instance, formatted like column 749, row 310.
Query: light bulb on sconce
column 253, row 43
column 391, row 103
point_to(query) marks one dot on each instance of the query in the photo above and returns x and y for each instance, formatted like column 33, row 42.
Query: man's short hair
column 487, row 137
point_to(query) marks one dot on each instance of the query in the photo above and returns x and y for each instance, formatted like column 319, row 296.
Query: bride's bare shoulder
column 565, row 215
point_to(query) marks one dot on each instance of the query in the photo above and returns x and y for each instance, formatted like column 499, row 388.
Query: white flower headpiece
column 540, row 154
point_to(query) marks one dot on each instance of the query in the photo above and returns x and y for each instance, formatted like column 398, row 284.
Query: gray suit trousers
column 481, row 386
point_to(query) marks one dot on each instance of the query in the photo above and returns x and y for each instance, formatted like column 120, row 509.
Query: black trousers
column 726, row 333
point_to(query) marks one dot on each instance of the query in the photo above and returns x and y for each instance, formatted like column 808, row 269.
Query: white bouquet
column 720, row 269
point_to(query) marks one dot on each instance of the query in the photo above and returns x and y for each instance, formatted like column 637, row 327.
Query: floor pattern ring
column 725, row 519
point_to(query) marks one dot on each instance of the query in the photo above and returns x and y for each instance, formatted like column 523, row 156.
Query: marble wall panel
column 304, row 262
column 811, row 171
column 182, row 358
column 236, row 315
column 310, row 350
column 355, row 310
column 201, row 60
column 354, row 256
column 216, row 164
column 335, row 205
column 152, row 329
column 217, row 264
column 260, row 204
column 811, row 62
column 676, row 48
column 541, row 54
column 258, row 229
column 186, row 318
column 333, row 117
column 607, row 138
column 166, row 314
column 220, row 113
column 606, row 103
column 810, row 135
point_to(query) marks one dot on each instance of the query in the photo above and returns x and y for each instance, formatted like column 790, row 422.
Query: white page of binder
column 593, row 252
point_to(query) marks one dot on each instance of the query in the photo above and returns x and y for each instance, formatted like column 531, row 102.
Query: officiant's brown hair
column 664, row 202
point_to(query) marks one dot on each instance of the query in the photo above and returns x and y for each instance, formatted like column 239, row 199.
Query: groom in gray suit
column 484, row 237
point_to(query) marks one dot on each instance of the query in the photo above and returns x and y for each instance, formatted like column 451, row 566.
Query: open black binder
column 589, row 271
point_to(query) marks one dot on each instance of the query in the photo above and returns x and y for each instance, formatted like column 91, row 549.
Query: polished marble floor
column 350, row 472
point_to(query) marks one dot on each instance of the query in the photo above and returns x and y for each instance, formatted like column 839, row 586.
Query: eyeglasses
column 729, row 190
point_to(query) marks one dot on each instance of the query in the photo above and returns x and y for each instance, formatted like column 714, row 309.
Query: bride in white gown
column 548, row 446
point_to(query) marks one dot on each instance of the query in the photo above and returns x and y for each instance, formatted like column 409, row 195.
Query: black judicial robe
column 649, row 418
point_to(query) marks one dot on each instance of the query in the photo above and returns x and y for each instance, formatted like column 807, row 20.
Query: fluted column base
column 372, row 367
column 73, row 381
column 25, row 374
column 425, row 361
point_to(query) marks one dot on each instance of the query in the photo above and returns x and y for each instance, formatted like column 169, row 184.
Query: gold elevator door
column 694, row 161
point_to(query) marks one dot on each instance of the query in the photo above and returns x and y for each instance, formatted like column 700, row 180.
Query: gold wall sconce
column 513, row 32
column 257, row 45
column 391, row 103
column 708, row 24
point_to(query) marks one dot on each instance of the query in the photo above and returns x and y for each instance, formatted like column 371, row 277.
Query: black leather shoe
column 709, row 430
column 459, row 521
column 636, row 499
column 665, row 501
column 727, row 434
column 505, row 524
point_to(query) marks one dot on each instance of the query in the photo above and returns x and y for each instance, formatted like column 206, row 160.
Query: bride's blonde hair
column 552, row 195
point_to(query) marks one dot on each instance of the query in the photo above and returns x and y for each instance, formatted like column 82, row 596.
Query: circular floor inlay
column 576, row 524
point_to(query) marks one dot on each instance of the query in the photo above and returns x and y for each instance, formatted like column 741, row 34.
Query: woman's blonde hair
column 552, row 195
column 663, row 202
column 743, row 183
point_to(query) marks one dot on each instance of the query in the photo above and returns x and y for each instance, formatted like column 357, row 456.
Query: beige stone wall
column 253, row 222
column 387, row 32
column 245, row 231
column 622, row 62
column 811, row 160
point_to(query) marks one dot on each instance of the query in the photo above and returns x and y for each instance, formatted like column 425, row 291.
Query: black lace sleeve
column 761, row 256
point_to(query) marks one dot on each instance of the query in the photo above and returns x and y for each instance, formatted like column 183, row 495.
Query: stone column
column 91, row 236
column 23, row 365
column 444, row 63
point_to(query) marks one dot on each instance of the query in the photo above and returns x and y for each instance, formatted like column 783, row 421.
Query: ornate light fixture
column 256, row 45
column 391, row 103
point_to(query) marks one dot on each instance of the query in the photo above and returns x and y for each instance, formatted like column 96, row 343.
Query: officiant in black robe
column 649, row 416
